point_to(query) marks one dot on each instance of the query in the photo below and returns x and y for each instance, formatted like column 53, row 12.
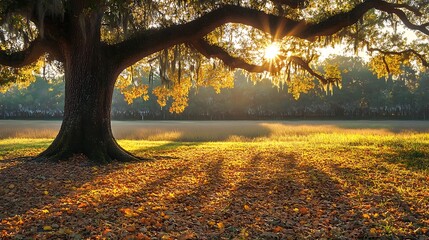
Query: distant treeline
column 362, row 96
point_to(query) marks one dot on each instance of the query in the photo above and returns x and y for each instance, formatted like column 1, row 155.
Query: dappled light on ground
column 319, row 186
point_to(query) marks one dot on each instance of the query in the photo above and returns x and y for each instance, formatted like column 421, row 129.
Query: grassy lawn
column 278, row 182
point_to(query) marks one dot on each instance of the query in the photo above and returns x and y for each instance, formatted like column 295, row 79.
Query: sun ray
column 272, row 51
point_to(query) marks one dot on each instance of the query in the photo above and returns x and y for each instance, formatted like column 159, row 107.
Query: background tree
column 103, row 42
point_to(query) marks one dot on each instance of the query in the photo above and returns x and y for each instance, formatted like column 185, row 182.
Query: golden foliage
column 20, row 78
column 300, row 85
column 179, row 69
column 385, row 65
column 130, row 87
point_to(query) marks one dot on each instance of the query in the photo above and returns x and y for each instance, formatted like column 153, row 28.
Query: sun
column 272, row 51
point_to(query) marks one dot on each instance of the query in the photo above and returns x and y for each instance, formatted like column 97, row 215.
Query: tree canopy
column 197, row 43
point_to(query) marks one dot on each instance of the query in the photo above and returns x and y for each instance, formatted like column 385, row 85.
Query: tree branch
column 148, row 42
column 213, row 51
column 305, row 65
column 408, row 51
column 25, row 57
column 291, row 3
column 401, row 15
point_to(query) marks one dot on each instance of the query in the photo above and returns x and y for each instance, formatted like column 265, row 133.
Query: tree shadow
column 373, row 205
column 131, row 207
column 414, row 156
column 262, row 194
column 29, row 185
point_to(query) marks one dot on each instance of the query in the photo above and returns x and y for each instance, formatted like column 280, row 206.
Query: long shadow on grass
column 290, row 199
column 141, row 207
column 169, row 146
column 271, row 195
column 372, row 205
column 29, row 186
column 414, row 156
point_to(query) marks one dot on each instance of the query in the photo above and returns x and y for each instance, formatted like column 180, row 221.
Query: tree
column 185, row 44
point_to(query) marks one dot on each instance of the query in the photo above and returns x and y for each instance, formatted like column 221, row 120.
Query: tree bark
column 90, row 76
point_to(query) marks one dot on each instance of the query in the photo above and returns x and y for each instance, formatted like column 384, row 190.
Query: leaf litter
column 254, row 190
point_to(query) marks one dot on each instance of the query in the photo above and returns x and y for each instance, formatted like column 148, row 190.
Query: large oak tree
column 185, row 43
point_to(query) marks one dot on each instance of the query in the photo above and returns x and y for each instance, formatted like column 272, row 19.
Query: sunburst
column 272, row 51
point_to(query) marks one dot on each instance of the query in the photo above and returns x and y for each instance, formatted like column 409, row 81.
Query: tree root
column 99, row 154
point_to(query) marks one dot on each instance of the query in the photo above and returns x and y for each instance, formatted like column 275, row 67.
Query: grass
column 274, row 181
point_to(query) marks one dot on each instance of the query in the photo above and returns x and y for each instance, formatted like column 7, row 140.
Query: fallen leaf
column 304, row 210
column 47, row 228
column 220, row 225
column 82, row 205
column 211, row 223
column 128, row 212
column 277, row 229
column 131, row 228
column 142, row 236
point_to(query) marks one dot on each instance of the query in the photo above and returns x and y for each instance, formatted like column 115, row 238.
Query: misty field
column 197, row 131
column 222, row 180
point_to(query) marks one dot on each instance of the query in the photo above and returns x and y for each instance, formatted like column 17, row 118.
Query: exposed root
column 120, row 154
column 99, row 154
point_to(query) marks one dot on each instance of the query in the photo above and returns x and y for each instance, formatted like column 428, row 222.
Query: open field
column 224, row 180
column 192, row 131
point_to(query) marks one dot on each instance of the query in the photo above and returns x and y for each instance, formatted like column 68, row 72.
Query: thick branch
column 22, row 58
column 213, row 51
column 148, row 42
column 387, row 8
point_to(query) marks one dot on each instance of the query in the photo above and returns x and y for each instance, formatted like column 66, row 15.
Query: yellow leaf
column 45, row 211
column 296, row 210
column 376, row 215
column 166, row 237
column 128, row 212
column 46, row 192
column 373, row 231
column 246, row 207
column 365, row 215
column 47, row 228
column 244, row 233
column 65, row 231
column 211, row 223
column 220, row 225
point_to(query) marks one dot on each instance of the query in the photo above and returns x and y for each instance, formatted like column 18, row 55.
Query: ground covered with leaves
column 314, row 186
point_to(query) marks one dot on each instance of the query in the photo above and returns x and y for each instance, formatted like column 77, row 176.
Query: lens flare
column 272, row 51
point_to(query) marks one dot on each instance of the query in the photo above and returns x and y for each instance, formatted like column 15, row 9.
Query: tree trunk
column 86, row 129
